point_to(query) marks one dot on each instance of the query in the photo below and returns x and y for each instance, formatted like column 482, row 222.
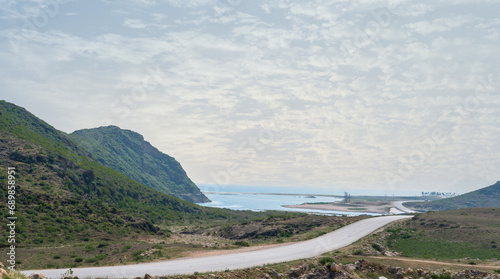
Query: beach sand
column 360, row 207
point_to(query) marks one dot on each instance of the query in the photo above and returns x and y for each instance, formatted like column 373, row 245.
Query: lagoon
column 269, row 198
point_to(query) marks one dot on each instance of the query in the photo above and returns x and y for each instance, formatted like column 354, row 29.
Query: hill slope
column 484, row 197
column 128, row 153
column 454, row 234
column 62, row 195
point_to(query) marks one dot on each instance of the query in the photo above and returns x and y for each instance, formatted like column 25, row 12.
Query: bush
column 78, row 260
column 326, row 261
column 377, row 247
column 91, row 260
column 242, row 243
column 137, row 253
column 100, row 257
column 126, row 248
column 157, row 246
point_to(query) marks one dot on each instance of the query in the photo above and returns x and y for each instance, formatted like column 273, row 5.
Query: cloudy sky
column 393, row 95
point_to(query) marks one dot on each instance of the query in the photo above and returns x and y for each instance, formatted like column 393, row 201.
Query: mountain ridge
column 129, row 153
column 488, row 196
column 63, row 195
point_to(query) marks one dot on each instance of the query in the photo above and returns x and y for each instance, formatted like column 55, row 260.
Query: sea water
column 270, row 198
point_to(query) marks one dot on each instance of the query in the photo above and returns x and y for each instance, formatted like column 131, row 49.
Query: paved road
column 305, row 249
column 399, row 206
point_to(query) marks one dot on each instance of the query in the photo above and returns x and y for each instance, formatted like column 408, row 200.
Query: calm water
column 240, row 198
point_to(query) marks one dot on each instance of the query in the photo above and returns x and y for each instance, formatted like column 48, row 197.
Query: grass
column 376, row 267
column 464, row 233
column 325, row 261
column 242, row 243
column 100, row 250
column 429, row 248
column 71, row 210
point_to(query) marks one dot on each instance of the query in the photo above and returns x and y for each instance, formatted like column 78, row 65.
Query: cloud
column 134, row 23
column 282, row 88
column 439, row 25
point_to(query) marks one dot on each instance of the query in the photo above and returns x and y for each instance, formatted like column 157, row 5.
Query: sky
column 391, row 95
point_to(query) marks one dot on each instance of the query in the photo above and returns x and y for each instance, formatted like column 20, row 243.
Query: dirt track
column 435, row 262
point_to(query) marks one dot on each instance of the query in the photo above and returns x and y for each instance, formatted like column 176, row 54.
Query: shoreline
column 376, row 209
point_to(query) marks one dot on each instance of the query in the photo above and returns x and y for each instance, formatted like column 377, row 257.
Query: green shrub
column 137, row 253
column 78, row 260
column 102, row 245
column 158, row 253
column 100, row 257
column 326, row 261
column 126, row 248
column 157, row 246
column 377, row 247
column 242, row 243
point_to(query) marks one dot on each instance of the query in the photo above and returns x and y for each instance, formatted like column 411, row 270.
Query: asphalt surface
column 300, row 250
column 399, row 206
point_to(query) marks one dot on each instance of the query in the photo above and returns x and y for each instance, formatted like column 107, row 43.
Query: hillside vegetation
column 63, row 195
column 128, row 153
column 472, row 233
column 73, row 211
column 484, row 197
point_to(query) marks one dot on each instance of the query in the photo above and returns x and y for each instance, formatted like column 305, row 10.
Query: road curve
column 399, row 206
column 294, row 251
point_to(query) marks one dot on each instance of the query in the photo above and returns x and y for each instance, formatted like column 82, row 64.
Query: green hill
column 484, row 197
column 128, row 153
column 63, row 195
column 453, row 234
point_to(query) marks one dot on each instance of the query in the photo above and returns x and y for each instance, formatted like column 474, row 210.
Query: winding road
column 294, row 251
column 403, row 209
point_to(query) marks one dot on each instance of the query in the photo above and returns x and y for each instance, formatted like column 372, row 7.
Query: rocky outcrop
column 36, row 276
column 359, row 269
column 2, row 271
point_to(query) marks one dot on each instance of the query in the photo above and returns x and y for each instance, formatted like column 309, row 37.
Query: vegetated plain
column 448, row 244
column 468, row 235
column 74, row 211
column 465, row 233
